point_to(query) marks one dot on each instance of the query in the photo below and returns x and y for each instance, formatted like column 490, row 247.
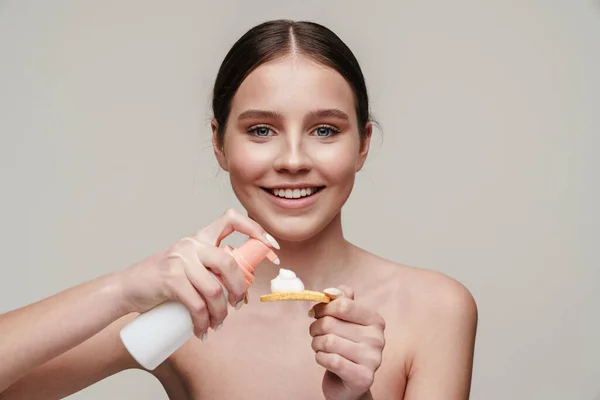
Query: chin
column 292, row 234
column 293, row 229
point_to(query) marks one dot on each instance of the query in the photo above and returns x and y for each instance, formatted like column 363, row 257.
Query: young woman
column 291, row 127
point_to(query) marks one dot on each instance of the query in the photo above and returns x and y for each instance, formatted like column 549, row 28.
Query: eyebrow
column 259, row 114
column 329, row 112
column 320, row 113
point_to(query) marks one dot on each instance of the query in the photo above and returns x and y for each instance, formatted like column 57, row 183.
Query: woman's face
column 292, row 146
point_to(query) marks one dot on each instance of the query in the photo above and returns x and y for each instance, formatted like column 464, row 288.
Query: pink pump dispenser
column 249, row 255
column 156, row 334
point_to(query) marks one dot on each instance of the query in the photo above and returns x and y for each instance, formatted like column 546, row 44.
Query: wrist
column 136, row 293
column 116, row 289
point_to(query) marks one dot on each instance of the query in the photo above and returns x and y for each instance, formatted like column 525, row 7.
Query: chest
column 268, row 355
column 257, row 360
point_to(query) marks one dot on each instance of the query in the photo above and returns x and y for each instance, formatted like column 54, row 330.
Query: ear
column 218, row 145
column 365, row 142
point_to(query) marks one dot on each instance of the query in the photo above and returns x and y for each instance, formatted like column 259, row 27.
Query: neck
column 318, row 261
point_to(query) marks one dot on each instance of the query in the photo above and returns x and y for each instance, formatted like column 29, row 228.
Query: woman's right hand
column 181, row 273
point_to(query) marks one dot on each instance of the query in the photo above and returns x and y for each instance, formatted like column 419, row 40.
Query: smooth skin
column 31, row 336
column 395, row 332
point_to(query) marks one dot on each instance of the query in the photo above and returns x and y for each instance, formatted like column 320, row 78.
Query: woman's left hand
column 348, row 340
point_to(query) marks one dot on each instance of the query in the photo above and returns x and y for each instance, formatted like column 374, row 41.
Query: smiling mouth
column 294, row 194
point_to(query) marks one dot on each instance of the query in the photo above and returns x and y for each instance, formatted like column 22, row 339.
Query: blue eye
column 260, row 131
column 325, row 131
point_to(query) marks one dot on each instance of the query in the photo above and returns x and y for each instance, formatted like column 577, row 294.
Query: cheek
column 247, row 162
column 337, row 162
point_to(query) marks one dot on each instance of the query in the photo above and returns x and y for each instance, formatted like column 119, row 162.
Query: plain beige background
column 485, row 170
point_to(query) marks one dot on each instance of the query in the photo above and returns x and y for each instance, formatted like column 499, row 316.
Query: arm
column 99, row 357
column 59, row 345
column 95, row 359
column 33, row 335
column 443, row 362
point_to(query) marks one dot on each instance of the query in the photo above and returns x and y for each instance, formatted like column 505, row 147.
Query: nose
column 293, row 157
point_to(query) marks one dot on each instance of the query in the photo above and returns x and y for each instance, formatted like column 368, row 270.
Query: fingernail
column 219, row 326
column 239, row 304
column 272, row 240
column 333, row 292
column 311, row 313
column 276, row 261
column 204, row 336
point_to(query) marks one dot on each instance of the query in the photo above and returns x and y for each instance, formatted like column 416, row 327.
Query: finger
column 328, row 324
column 330, row 343
column 331, row 325
column 372, row 336
column 185, row 293
column 348, row 291
column 228, row 271
column 348, row 310
column 232, row 221
column 355, row 376
column 208, row 287
column 333, row 293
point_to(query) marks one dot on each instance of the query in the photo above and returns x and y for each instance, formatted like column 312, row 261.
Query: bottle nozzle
column 250, row 254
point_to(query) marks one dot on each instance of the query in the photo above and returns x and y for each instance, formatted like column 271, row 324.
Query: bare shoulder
column 441, row 296
column 428, row 315
column 426, row 296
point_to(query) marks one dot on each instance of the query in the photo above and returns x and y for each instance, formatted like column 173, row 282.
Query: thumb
column 340, row 291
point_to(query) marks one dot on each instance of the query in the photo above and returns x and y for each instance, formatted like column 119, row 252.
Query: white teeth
column 293, row 193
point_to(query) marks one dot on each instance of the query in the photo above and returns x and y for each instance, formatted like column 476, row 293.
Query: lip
column 301, row 202
column 297, row 185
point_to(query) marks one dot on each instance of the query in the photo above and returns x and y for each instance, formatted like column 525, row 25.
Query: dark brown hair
column 273, row 39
